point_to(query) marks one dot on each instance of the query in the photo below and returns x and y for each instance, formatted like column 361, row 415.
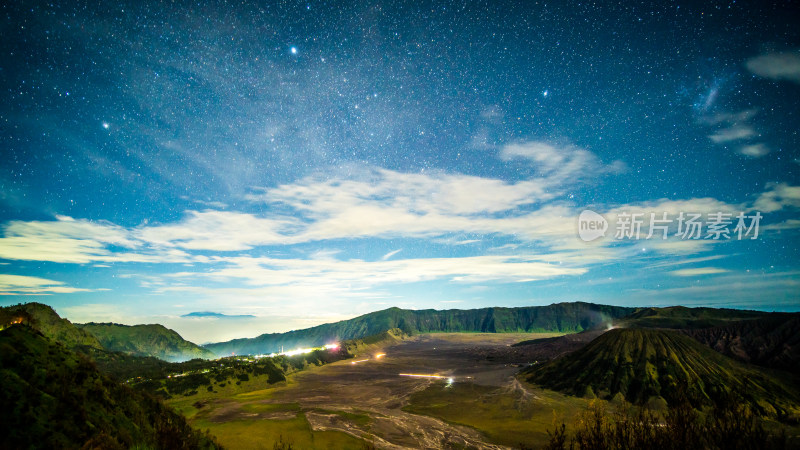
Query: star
column 106, row 125
column 293, row 50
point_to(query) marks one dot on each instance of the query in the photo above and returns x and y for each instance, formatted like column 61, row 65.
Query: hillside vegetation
column 562, row 317
column 146, row 340
column 53, row 397
column 651, row 366
column 44, row 319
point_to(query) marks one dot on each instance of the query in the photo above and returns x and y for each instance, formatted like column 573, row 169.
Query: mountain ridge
column 558, row 317
column 145, row 340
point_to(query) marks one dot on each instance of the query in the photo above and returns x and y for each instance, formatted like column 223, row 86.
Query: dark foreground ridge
column 53, row 397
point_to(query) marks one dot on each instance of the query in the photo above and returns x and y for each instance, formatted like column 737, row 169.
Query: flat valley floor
column 429, row 391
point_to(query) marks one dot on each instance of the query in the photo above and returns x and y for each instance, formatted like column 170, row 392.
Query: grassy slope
column 146, row 340
column 562, row 317
column 55, row 398
column 503, row 416
column 644, row 365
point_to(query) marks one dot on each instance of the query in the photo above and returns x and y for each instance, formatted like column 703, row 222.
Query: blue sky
column 309, row 162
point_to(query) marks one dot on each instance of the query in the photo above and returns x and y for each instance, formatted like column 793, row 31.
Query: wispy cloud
column 530, row 223
column 754, row 150
column 733, row 133
column 68, row 240
column 779, row 196
column 697, row 271
column 219, row 231
column 20, row 284
column 390, row 254
column 351, row 275
column 777, row 66
column 566, row 162
column 736, row 128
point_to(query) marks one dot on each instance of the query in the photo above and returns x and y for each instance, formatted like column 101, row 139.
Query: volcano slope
column 649, row 365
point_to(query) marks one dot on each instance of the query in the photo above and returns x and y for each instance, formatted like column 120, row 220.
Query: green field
column 258, row 434
column 503, row 416
column 260, row 425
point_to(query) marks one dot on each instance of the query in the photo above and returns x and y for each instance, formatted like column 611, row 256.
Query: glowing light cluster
column 421, row 375
column 299, row 351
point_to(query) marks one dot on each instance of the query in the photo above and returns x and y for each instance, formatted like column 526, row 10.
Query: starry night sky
column 307, row 162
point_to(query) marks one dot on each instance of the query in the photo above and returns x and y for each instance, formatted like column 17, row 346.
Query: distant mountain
column 649, row 365
column 770, row 341
column 681, row 317
column 146, row 340
column 44, row 319
column 561, row 317
column 53, row 397
column 218, row 315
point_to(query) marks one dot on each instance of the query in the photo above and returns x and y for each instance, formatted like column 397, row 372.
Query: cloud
column 697, row 271
column 790, row 224
column 733, row 133
column 63, row 240
column 778, row 197
column 217, row 231
column 376, row 202
column 776, row 66
column 20, row 285
column 729, row 117
column 79, row 241
column 419, row 193
column 529, row 226
column 566, row 163
column 754, row 151
column 335, row 276
column 737, row 128
column 390, row 254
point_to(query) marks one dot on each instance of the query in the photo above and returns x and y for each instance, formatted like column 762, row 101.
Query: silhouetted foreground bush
column 730, row 425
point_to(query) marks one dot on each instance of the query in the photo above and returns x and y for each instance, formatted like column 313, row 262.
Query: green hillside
column 561, row 317
column 44, row 319
column 52, row 397
column 649, row 365
column 146, row 340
